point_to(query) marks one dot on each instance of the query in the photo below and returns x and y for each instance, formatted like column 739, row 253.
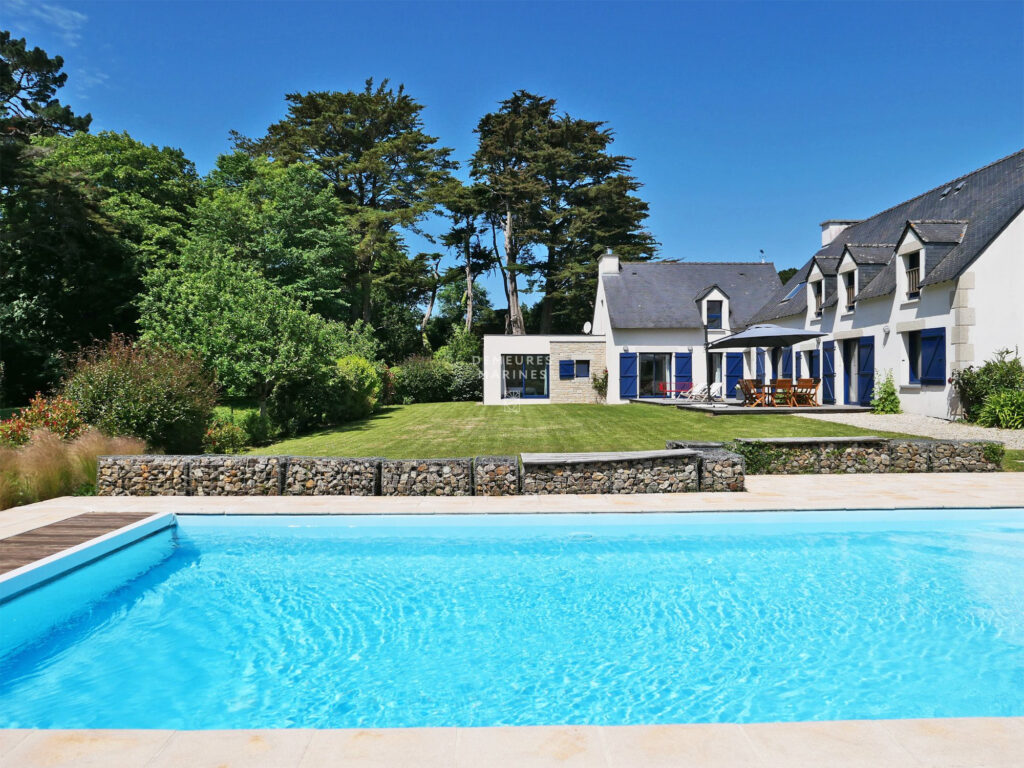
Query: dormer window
column 714, row 310
column 850, row 283
column 913, row 262
column 818, row 290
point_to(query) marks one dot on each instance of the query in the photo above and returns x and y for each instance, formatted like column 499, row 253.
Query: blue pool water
column 343, row 622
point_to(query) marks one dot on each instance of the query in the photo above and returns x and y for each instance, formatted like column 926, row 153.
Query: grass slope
column 433, row 430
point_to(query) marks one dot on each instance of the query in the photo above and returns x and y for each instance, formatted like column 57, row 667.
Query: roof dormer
column 848, row 280
column 714, row 307
column 815, row 291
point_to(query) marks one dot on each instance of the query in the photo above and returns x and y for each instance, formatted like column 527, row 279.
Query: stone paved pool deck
column 939, row 743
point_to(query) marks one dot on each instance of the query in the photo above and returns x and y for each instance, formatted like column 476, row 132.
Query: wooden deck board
column 25, row 548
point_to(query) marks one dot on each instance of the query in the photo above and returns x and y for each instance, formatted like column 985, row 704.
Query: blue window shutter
column 733, row 372
column 933, row 356
column 787, row 363
column 759, row 355
column 828, row 369
column 627, row 375
column 914, row 352
column 684, row 369
column 866, row 369
column 566, row 369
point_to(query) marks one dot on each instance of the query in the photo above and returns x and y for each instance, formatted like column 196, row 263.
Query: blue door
column 787, row 363
column 733, row 372
column 627, row 375
column 828, row 379
column 760, row 365
column 866, row 370
column 684, row 370
column 799, row 364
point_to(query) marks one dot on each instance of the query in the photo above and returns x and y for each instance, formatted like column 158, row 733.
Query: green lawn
column 433, row 430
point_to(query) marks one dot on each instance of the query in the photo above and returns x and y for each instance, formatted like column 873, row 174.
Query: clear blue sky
column 750, row 122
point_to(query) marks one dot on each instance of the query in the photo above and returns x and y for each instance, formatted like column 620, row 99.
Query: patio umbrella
column 765, row 336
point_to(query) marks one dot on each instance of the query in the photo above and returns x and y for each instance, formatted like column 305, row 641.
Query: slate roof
column 973, row 208
column 663, row 294
column 871, row 254
column 939, row 231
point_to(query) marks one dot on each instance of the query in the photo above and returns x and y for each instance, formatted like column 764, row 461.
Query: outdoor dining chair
column 782, row 392
column 806, row 392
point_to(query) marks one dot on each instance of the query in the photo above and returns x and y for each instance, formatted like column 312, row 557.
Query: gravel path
column 926, row 426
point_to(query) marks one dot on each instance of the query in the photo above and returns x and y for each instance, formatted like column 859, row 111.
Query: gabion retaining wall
column 142, row 476
column 720, row 469
column 677, row 474
column 426, row 477
column 872, row 455
column 235, row 475
column 496, row 476
column 331, row 476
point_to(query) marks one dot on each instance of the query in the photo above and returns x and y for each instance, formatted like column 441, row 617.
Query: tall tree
column 588, row 206
column 465, row 205
column 371, row 147
column 246, row 329
column 146, row 192
column 559, row 198
column 29, row 108
column 509, row 140
column 87, row 216
column 282, row 221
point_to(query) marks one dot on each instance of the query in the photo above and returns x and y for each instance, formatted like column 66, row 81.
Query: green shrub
column 348, row 390
column 224, row 437
column 600, row 384
column 994, row 453
column 759, row 458
column 148, row 391
column 257, row 427
column 886, row 399
column 422, row 380
column 466, row 383
column 1004, row 409
column 974, row 385
column 361, row 387
column 462, row 347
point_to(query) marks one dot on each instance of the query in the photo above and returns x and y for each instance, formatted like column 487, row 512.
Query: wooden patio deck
column 733, row 408
column 25, row 548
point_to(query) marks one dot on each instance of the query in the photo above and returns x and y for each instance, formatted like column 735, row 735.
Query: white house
column 647, row 331
column 921, row 289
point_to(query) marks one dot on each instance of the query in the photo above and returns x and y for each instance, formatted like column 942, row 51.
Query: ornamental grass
column 46, row 466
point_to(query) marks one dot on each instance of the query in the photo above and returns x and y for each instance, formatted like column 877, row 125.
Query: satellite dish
column 587, row 326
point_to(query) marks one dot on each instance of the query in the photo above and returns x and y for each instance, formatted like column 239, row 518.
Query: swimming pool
column 333, row 622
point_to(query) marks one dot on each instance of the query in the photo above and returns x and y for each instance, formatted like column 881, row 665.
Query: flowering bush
column 58, row 415
column 224, row 437
column 151, row 392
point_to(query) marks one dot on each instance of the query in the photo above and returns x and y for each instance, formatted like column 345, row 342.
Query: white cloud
column 65, row 21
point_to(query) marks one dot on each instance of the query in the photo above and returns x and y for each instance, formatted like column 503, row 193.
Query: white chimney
column 830, row 229
column 608, row 263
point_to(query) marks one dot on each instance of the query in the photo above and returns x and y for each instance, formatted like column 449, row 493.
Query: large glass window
column 655, row 373
column 524, row 375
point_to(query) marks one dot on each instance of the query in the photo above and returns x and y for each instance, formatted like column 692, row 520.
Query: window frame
column 719, row 314
column 522, row 386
